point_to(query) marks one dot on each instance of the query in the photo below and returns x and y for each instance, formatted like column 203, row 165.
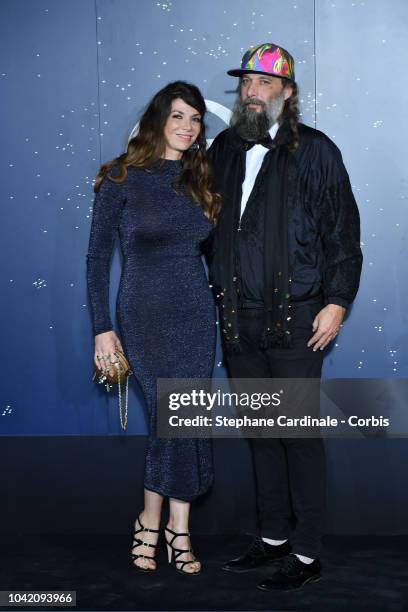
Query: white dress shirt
column 253, row 163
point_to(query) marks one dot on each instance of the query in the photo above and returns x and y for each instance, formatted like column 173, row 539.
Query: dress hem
column 165, row 492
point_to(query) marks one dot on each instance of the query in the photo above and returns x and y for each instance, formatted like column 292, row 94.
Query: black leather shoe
column 292, row 574
column 258, row 554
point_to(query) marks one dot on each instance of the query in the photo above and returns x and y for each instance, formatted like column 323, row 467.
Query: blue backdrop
column 74, row 78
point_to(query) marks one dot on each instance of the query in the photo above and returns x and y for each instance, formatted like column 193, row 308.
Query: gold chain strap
column 123, row 420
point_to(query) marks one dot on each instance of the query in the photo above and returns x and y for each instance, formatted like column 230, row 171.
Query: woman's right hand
column 105, row 346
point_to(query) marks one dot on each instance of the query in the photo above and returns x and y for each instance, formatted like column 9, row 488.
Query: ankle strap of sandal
column 145, row 528
column 175, row 532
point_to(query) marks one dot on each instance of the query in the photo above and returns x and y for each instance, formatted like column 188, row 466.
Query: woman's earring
column 194, row 147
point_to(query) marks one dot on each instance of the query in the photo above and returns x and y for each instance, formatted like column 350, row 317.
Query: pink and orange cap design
column 268, row 59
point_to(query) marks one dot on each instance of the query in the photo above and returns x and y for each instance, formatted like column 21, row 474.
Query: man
column 285, row 265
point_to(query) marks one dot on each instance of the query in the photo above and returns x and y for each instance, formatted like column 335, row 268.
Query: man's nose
column 252, row 90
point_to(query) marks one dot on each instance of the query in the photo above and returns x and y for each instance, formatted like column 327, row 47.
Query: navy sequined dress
column 165, row 309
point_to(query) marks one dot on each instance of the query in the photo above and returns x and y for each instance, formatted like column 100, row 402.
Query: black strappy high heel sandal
column 138, row 542
column 174, row 553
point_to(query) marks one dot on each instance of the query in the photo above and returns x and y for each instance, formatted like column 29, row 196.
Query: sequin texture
column 165, row 308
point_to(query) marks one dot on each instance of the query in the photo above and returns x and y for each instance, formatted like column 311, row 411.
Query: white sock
column 273, row 542
column 304, row 559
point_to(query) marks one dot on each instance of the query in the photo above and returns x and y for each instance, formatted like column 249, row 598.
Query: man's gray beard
column 251, row 124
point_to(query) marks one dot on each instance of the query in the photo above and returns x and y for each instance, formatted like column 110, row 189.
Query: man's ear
column 287, row 90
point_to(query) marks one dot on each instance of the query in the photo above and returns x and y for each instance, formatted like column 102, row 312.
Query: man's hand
column 326, row 326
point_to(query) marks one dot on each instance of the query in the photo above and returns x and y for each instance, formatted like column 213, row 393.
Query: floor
column 359, row 573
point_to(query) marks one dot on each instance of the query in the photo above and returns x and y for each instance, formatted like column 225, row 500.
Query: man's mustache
column 254, row 101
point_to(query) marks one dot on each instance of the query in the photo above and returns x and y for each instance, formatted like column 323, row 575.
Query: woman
column 158, row 197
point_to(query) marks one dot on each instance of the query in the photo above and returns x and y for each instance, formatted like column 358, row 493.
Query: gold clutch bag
column 122, row 373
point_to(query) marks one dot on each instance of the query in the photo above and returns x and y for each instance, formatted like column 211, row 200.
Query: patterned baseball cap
column 267, row 58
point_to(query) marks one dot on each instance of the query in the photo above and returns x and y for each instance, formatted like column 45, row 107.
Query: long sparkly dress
column 165, row 309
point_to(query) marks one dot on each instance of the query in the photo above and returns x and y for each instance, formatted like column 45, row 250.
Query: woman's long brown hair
column 148, row 147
